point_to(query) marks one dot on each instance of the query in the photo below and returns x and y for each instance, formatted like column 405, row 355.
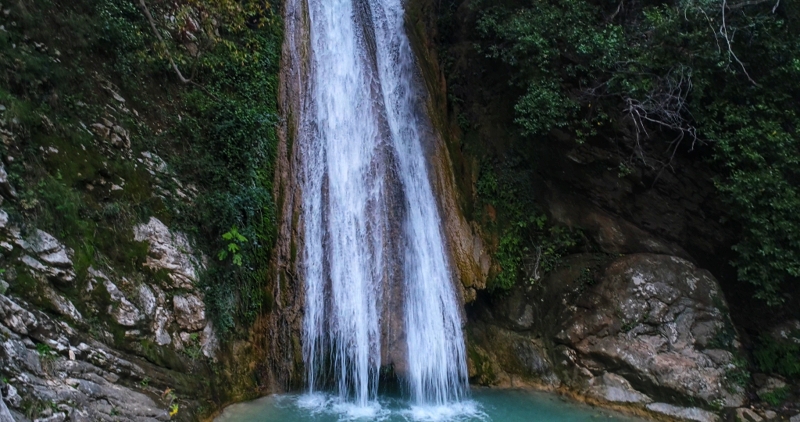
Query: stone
column 679, row 303
column 769, row 385
column 161, row 321
column 6, row 189
column 189, row 312
column 58, row 258
column 147, row 300
column 43, row 243
column 3, row 219
column 744, row 414
column 122, row 310
column 795, row 418
column 614, row 388
column 208, row 341
column 685, row 413
column 57, row 417
column 61, row 304
column 168, row 251
column 770, row 415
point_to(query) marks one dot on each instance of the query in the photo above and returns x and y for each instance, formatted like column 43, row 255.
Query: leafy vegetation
column 669, row 76
column 779, row 357
column 528, row 246
column 214, row 125
column 221, row 138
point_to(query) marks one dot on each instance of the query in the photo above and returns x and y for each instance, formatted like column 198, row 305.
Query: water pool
column 485, row 405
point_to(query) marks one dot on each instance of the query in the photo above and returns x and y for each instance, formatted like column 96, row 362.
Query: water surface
column 486, row 405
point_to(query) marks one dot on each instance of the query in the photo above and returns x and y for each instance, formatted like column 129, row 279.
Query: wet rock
column 685, row 413
column 189, row 312
column 168, row 251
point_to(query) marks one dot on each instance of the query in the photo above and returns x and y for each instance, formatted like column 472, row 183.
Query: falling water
column 379, row 290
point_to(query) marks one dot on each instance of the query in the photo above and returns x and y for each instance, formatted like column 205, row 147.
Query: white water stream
column 379, row 289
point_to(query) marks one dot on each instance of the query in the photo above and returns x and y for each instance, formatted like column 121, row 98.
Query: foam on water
column 485, row 406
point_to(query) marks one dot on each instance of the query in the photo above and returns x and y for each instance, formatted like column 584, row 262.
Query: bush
column 670, row 70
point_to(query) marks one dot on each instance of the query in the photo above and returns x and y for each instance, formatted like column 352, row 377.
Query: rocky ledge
column 645, row 331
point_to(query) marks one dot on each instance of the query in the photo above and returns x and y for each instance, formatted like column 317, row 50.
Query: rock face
column 88, row 365
column 646, row 330
column 168, row 251
column 51, row 363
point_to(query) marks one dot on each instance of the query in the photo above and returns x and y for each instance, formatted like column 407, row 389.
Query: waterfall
column 379, row 289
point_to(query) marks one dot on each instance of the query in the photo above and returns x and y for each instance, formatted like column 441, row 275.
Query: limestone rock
column 6, row 189
column 147, row 300
column 122, row 310
column 616, row 389
column 639, row 329
column 3, row 219
column 189, row 312
column 168, row 251
column 61, row 304
column 744, row 414
column 208, row 341
column 656, row 315
column 160, row 324
column 41, row 242
column 686, row 413
column 48, row 250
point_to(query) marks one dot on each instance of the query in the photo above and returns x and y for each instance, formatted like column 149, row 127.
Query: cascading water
column 374, row 261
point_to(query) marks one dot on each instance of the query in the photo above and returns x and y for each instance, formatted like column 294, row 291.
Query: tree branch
column 174, row 65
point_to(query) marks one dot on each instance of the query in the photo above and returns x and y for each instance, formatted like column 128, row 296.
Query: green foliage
column 527, row 245
column 221, row 138
column 780, row 357
column 776, row 397
column 234, row 247
column 673, row 73
column 737, row 376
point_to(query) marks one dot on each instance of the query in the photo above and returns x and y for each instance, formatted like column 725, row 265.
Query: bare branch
column 723, row 30
column 748, row 3
column 152, row 21
column 175, row 67
column 665, row 107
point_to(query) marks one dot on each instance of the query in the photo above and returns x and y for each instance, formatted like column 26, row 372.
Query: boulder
column 645, row 330
column 658, row 319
